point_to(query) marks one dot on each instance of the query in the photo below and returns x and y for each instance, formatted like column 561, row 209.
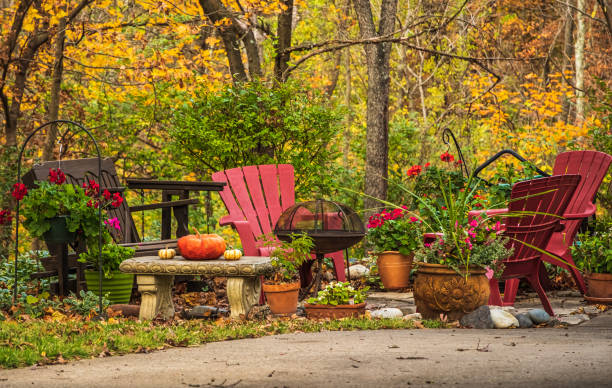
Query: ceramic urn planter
column 438, row 289
column 394, row 269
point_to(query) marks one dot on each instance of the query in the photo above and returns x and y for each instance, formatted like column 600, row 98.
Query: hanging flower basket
column 59, row 233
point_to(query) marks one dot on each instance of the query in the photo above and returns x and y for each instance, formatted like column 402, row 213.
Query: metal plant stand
column 61, row 249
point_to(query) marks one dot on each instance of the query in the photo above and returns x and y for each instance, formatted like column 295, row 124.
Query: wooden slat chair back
column 592, row 166
column 255, row 197
column 540, row 204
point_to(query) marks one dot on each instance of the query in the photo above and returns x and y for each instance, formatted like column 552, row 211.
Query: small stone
column 591, row 310
column 478, row 319
column 415, row 316
column 387, row 312
column 574, row 319
column 539, row 316
column 511, row 309
column 357, row 271
column 503, row 319
column 524, row 320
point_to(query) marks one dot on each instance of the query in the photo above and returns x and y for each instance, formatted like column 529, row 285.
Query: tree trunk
column 346, row 147
column 377, row 112
column 568, row 53
column 579, row 50
column 283, row 35
column 215, row 11
column 56, row 87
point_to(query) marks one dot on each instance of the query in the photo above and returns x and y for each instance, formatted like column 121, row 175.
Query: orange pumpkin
column 201, row 246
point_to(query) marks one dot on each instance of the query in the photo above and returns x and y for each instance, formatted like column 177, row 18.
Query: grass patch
column 48, row 342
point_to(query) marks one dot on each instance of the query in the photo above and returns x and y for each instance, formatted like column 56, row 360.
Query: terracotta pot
column 599, row 285
column 438, row 289
column 394, row 269
column 328, row 311
column 282, row 298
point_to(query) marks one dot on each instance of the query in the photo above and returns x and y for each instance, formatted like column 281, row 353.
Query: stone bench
column 155, row 278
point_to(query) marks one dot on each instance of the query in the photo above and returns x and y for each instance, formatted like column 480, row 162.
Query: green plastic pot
column 59, row 233
column 119, row 287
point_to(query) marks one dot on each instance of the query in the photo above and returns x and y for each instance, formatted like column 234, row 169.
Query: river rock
column 574, row 319
column 524, row 320
column 413, row 316
column 538, row 316
column 387, row 312
column 478, row 319
column 503, row 319
column 357, row 271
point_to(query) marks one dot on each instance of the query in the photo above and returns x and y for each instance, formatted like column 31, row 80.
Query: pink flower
column 489, row 274
column 413, row 219
column 497, row 226
column 474, row 223
column 114, row 222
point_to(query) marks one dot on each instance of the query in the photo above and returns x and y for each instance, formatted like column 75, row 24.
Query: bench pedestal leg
column 156, row 292
column 242, row 294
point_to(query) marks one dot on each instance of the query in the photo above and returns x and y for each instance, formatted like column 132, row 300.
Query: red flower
column 458, row 162
column 19, row 191
column 443, row 207
column 57, row 176
column 427, row 164
column 92, row 189
column 117, row 200
column 415, row 170
column 446, row 157
column 106, row 194
column 478, row 204
column 90, row 203
column 5, row 217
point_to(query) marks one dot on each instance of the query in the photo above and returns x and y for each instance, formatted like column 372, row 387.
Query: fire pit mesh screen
column 333, row 226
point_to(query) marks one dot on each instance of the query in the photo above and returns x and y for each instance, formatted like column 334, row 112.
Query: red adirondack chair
column 549, row 198
column 592, row 166
column 255, row 197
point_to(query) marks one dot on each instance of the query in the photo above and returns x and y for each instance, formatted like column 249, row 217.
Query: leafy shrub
column 251, row 123
column 593, row 252
column 112, row 257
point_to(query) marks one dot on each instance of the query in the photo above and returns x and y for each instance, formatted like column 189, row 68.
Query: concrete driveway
column 579, row 356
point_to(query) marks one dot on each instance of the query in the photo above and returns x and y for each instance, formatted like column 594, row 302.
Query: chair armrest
column 161, row 205
column 246, row 235
column 578, row 216
column 152, row 184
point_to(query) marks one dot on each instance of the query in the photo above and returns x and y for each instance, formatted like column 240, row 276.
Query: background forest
column 351, row 92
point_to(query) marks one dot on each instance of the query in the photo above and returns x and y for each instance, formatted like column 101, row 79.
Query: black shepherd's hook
column 80, row 128
column 447, row 134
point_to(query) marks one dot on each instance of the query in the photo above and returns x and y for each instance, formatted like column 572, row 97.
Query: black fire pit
column 332, row 226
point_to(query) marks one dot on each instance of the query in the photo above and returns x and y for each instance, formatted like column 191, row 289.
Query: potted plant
column 116, row 284
column 61, row 213
column 337, row 300
column 592, row 253
column 394, row 236
column 282, row 287
column 457, row 260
